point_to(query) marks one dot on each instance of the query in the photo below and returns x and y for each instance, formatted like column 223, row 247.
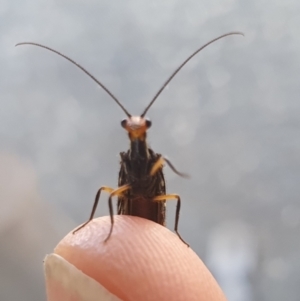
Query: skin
column 141, row 260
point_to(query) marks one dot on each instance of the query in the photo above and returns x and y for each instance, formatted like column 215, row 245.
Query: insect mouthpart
column 136, row 126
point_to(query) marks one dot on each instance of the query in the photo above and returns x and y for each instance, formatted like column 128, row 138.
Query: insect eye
column 124, row 123
column 148, row 123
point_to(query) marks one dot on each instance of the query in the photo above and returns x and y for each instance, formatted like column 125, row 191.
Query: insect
column 141, row 187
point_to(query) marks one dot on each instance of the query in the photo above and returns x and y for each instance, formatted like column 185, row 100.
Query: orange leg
column 170, row 197
column 116, row 192
column 159, row 164
column 103, row 188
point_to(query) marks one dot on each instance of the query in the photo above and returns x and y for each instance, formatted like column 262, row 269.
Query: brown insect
column 141, row 187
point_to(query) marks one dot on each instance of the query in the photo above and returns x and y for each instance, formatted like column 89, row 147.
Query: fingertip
column 141, row 261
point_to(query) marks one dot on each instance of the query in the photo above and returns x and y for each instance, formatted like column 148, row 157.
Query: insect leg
column 116, row 192
column 169, row 197
column 159, row 163
column 104, row 188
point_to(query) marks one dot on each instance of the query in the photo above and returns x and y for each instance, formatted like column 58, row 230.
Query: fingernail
column 64, row 282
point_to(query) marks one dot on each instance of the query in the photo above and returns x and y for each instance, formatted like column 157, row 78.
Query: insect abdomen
column 145, row 208
column 138, row 200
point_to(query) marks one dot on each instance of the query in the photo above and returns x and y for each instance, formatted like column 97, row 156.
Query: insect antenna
column 83, row 69
column 179, row 68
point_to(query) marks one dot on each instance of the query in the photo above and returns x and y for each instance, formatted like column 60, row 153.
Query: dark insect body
column 141, row 187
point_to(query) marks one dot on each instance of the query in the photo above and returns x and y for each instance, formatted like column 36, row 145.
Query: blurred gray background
column 230, row 118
